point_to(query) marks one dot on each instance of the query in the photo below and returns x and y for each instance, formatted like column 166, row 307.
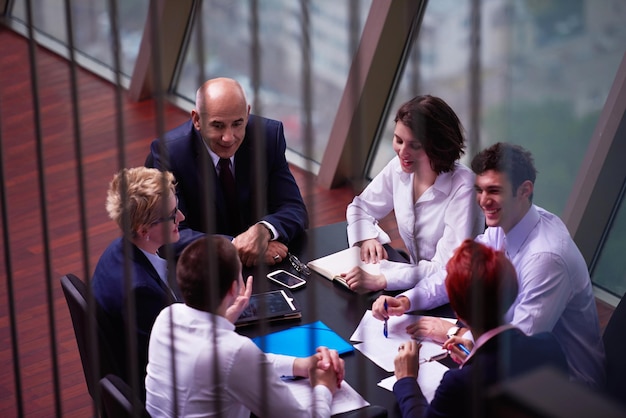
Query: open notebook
column 343, row 261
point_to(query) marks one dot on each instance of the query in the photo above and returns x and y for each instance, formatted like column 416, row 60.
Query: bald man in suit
column 222, row 128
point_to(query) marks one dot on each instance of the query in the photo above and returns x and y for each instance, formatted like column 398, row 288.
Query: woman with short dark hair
column 430, row 193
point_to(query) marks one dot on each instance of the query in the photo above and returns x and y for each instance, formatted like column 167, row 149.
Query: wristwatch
column 453, row 331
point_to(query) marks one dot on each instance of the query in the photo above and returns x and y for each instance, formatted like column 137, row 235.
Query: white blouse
column 432, row 228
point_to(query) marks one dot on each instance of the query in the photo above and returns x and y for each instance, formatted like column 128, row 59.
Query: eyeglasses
column 171, row 217
column 298, row 265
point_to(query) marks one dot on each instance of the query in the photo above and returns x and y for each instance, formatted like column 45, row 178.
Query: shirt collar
column 516, row 237
column 482, row 340
column 159, row 264
column 216, row 159
column 443, row 182
column 204, row 317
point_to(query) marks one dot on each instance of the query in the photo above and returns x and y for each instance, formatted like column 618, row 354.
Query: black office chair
column 118, row 400
column 615, row 347
column 110, row 361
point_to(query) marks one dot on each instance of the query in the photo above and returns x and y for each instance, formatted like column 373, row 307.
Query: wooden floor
column 24, row 266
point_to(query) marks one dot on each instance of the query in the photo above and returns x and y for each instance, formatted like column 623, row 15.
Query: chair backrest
column 615, row 347
column 108, row 361
column 118, row 401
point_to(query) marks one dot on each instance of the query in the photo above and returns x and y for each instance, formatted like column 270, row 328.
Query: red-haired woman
column 481, row 285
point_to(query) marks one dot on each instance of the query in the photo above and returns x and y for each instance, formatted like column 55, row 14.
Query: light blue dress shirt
column 555, row 292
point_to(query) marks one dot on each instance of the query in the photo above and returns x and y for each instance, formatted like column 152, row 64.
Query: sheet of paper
column 371, row 329
column 383, row 351
column 428, row 378
column 345, row 399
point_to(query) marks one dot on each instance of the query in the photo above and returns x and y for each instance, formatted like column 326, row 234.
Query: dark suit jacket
column 186, row 157
column 462, row 392
column 150, row 293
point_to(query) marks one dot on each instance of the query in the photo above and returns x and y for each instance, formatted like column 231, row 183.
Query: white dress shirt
column 218, row 372
column 444, row 215
column 555, row 292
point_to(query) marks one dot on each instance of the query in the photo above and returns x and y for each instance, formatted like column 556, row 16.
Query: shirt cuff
column 323, row 400
column 270, row 227
column 364, row 229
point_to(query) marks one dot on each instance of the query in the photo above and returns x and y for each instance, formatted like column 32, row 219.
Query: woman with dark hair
column 481, row 285
column 431, row 194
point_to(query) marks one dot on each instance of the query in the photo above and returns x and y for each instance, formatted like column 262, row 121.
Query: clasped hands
column 254, row 244
column 325, row 367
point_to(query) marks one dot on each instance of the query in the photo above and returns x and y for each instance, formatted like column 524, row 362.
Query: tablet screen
column 269, row 305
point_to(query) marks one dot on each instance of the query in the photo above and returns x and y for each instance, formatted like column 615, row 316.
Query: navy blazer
column 150, row 293
column 462, row 392
column 185, row 155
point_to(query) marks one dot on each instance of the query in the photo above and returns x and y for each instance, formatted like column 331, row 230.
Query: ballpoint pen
column 385, row 324
column 463, row 349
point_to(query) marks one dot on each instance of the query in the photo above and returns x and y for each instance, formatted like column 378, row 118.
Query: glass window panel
column 609, row 272
column 48, row 17
column 92, row 27
column 227, row 42
column 547, row 68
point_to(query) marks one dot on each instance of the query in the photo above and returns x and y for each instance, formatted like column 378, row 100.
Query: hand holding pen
column 443, row 355
column 458, row 348
column 463, row 349
column 395, row 306
column 385, row 329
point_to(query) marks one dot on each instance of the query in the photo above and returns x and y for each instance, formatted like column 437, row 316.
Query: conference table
column 339, row 308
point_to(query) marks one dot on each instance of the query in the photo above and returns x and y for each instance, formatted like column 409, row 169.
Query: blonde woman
column 147, row 197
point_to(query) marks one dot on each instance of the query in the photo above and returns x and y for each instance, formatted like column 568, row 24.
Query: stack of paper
column 428, row 378
column 344, row 400
column 383, row 351
column 302, row 341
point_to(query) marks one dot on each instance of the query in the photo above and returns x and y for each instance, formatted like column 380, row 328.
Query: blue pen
column 463, row 349
column 385, row 325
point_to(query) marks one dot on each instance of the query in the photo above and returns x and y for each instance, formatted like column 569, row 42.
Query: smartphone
column 286, row 279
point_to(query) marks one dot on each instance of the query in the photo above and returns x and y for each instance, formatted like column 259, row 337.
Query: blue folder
column 301, row 341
